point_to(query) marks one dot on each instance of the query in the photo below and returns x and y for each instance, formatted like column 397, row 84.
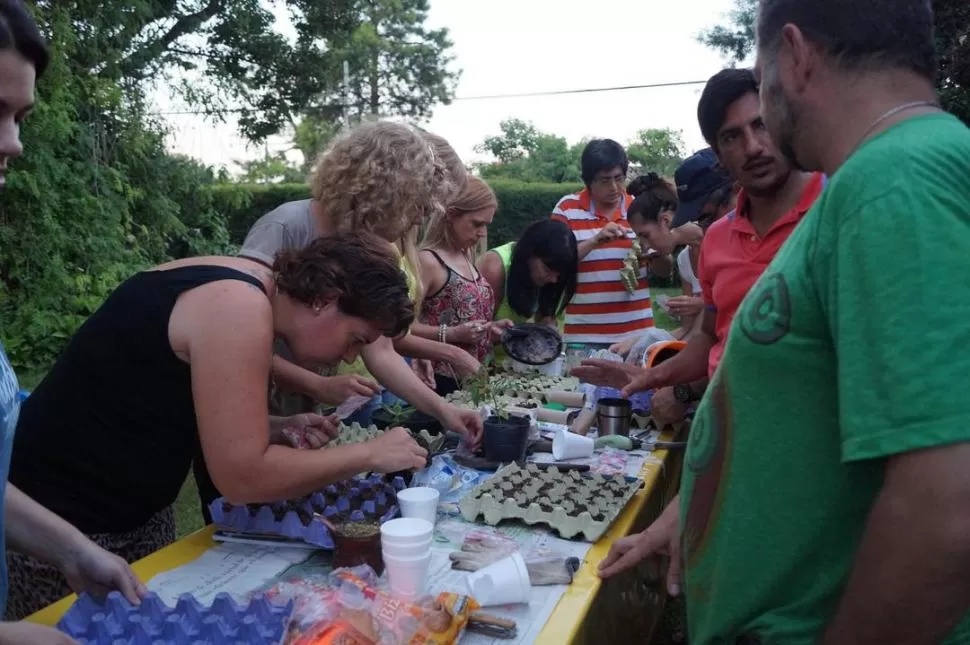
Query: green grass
column 188, row 513
column 660, row 317
column 188, row 517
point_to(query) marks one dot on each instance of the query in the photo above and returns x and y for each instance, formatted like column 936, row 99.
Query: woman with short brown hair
column 178, row 358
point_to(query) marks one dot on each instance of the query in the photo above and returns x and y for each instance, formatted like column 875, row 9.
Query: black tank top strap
column 118, row 408
column 451, row 272
column 194, row 275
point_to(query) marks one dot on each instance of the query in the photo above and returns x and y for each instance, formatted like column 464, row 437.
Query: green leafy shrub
column 94, row 199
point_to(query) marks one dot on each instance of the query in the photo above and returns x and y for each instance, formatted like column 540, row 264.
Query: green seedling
column 480, row 388
column 399, row 412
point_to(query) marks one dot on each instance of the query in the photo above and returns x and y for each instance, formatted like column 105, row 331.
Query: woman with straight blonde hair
column 458, row 302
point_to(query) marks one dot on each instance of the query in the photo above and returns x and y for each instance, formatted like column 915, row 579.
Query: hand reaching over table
column 395, row 450
column 662, row 537
column 307, row 431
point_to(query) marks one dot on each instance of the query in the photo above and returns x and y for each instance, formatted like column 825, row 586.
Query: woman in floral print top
column 459, row 302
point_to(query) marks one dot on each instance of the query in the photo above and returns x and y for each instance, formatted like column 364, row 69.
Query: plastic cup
column 407, row 577
column 420, row 502
column 569, row 445
column 406, row 550
column 504, row 582
column 406, row 531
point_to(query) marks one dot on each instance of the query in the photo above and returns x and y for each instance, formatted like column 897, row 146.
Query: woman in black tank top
column 178, row 359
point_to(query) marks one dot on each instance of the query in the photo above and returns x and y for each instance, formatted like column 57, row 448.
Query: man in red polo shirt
column 736, row 249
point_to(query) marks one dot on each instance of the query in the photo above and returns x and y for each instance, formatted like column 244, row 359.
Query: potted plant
column 395, row 415
column 506, row 435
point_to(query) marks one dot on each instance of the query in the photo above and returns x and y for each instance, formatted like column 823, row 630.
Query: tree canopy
column 736, row 40
column 525, row 153
column 97, row 197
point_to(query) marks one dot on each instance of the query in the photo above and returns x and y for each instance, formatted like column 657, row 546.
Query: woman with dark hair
column 533, row 278
column 650, row 214
column 178, row 360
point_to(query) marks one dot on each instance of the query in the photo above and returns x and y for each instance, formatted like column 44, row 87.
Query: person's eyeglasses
column 608, row 181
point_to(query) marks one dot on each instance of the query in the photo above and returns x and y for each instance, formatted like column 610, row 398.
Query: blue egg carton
column 640, row 400
column 118, row 622
column 356, row 500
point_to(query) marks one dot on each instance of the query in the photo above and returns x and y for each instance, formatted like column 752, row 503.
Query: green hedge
column 520, row 204
column 243, row 204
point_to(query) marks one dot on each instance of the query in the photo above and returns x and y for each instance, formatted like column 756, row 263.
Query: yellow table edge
column 574, row 605
column 563, row 623
column 174, row 555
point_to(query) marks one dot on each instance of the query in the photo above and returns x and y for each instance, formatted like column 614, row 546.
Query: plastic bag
column 348, row 608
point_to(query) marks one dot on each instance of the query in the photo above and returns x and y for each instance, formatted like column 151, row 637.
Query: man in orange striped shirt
column 603, row 311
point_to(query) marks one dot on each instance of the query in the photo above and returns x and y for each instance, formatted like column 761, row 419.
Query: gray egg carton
column 464, row 399
column 355, row 433
column 515, row 389
column 570, row 502
column 532, row 383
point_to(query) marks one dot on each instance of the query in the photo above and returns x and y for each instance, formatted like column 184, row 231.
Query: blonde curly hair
column 384, row 178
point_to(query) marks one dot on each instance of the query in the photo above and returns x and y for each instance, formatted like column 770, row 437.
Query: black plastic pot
column 506, row 439
column 414, row 421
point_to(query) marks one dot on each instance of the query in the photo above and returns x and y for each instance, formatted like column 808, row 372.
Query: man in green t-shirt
column 826, row 489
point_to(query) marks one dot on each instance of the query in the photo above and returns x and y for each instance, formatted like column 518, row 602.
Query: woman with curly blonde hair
column 385, row 178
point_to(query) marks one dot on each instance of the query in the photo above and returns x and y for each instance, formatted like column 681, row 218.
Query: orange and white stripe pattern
column 602, row 311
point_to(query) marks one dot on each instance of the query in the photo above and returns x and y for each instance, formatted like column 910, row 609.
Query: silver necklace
column 893, row 112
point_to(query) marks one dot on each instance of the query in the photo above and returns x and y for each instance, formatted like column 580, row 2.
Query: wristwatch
column 683, row 393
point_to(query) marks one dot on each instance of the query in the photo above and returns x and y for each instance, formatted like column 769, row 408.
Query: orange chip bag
column 440, row 622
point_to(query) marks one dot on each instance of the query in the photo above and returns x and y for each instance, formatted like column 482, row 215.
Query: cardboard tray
column 514, row 493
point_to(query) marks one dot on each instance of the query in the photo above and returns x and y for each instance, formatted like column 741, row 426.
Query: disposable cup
column 407, row 550
column 504, row 582
column 406, row 531
column 420, row 502
column 569, row 445
column 407, row 577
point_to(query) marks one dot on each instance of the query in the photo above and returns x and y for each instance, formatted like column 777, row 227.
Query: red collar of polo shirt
column 742, row 223
column 586, row 203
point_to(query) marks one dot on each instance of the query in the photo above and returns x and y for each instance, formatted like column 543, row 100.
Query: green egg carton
column 355, row 433
column 571, row 503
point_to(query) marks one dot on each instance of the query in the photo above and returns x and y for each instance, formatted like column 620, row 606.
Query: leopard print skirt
column 34, row 585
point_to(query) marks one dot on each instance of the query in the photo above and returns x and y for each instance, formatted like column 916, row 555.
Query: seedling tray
column 514, row 389
column 572, row 503
column 355, row 433
column 118, row 622
column 356, row 500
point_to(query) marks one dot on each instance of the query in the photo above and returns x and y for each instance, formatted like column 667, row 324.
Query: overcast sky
column 516, row 46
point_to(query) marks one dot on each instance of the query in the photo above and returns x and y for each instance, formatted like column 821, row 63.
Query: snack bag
column 438, row 622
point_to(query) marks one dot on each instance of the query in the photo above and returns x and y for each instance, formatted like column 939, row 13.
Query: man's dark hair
column 361, row 271
column 552, row 242
column 600, row 155
column 722, row 89
column 864, row 35
column 19, row 32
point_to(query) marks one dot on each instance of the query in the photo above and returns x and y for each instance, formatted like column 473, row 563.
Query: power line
column 588, row 90
column 482, row 97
